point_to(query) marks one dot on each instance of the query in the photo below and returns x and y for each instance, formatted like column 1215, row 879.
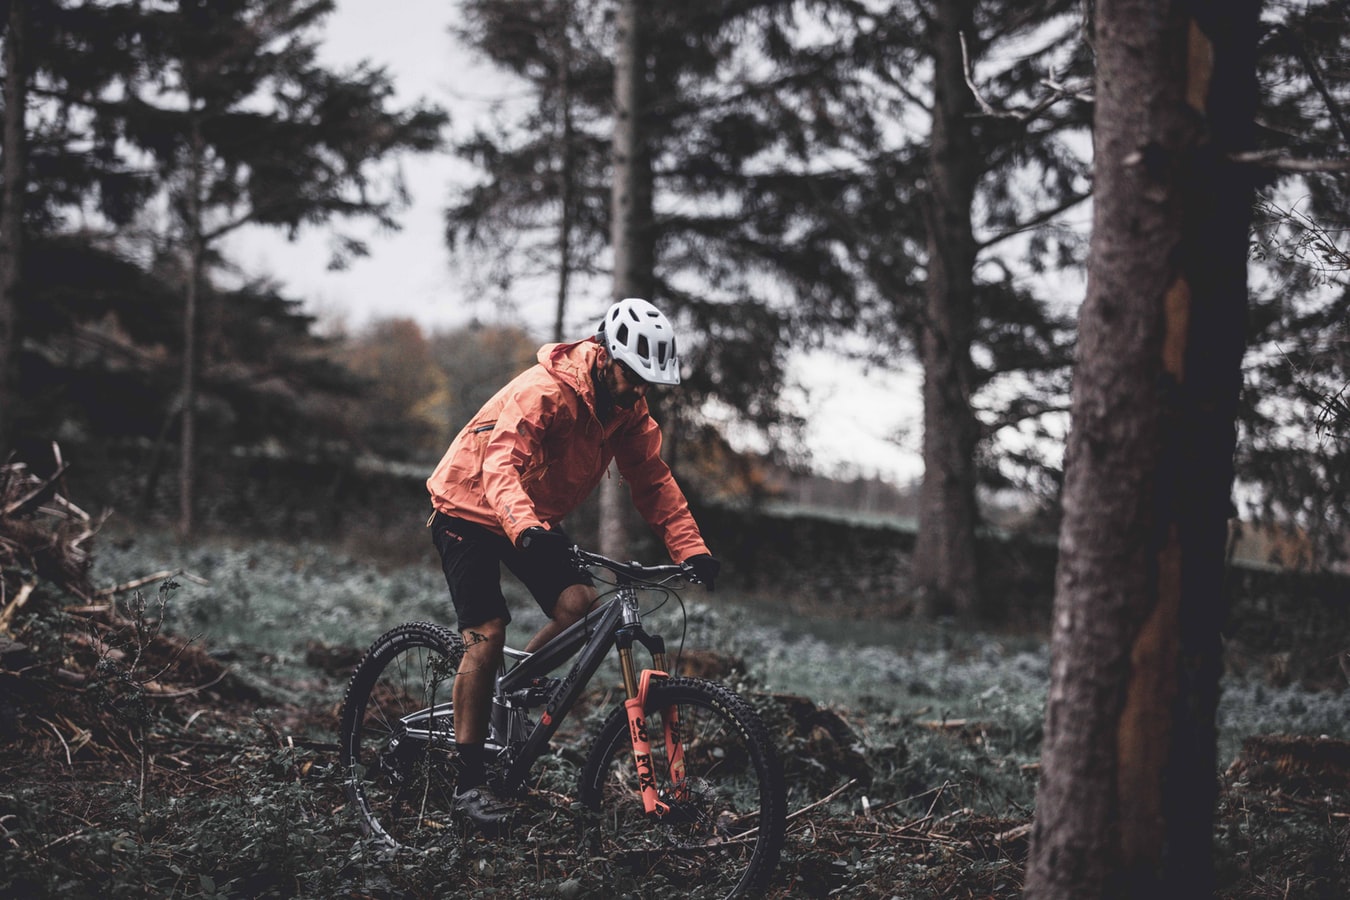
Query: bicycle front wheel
column 723, row 831
column 397, row 736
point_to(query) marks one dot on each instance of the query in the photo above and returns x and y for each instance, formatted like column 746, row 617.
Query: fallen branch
column 7, row 614
column 1013, row 834
column 60, row 737
column 36, row 497
column 944, row 724
column 135, row 583
column 154, row 689
column 823, row 800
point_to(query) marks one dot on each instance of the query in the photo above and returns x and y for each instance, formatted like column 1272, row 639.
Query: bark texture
column 567, row 176
column 630, row 228
column 11, row 212
column 196, row 278
column 945, row 569
column 1126, row 803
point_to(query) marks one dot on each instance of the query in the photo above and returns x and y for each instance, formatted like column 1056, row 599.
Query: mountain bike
column 681, row 781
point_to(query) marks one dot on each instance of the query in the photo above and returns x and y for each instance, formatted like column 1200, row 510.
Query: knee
column 573, row 603
column 488, row 637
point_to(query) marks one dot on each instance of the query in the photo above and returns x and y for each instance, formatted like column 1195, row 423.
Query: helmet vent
column 637, row 334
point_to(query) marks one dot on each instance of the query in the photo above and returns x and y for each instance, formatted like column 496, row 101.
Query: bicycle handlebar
column 633, row 570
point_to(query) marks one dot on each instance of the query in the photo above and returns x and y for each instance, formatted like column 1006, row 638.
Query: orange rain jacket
column 536, row 450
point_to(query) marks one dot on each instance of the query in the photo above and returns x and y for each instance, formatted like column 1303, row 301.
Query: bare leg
column 473, row 685
column 573, row 603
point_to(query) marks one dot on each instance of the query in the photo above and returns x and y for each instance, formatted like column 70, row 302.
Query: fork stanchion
column 627, row 668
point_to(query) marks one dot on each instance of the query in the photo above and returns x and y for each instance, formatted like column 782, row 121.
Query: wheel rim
column 709, row 839
column 401, row 750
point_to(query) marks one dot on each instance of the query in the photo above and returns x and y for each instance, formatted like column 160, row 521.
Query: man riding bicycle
column 528, row 458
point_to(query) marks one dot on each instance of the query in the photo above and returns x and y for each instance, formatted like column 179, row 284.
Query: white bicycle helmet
column 639, row 335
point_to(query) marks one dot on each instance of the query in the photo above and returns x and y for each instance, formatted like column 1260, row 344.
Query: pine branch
column 1275, row 160
column 1057, row 92
column 1035, row 221
column 1315, row 76
column 1023, row 412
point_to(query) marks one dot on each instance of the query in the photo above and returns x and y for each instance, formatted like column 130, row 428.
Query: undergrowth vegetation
column 186, row 748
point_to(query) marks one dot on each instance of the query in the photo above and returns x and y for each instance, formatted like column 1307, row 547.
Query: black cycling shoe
column 490, row 814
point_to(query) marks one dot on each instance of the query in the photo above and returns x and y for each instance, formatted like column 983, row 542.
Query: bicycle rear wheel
column 397, row 737
column 724, row 832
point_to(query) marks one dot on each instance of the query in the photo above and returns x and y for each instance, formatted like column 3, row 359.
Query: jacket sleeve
column 655, row 493
column 514, row 455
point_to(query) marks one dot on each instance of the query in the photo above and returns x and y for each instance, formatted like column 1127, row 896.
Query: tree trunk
column 155, row 467
column 1126, row 802
column 566, row 167
column 11, row 215
column 187, row 470
column 945, row 572
column 630, row 227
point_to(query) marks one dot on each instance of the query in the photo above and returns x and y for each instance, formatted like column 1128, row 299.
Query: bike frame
column 616, row 622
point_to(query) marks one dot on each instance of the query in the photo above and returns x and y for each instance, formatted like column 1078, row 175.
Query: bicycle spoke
column 398, row 736
column 710, row 770
column 710, row 836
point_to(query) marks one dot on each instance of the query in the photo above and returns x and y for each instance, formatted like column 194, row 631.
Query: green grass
column 265, row 602
column 892, row 685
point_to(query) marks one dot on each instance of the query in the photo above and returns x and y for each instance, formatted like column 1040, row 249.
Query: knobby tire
column 723, row 839
column 402, row 789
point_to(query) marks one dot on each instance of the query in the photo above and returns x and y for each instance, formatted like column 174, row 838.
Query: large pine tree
column 15, row 138
column 945, row 203
column 59, row 59
column 244, row 127
column 807, row 182
column 724, row 253
column 1292, row 455
column 1126, row 801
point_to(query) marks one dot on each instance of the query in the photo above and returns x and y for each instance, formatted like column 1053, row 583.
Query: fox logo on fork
column 646, row 780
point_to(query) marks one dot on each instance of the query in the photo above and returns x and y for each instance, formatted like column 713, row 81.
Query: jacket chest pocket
column 535, row 471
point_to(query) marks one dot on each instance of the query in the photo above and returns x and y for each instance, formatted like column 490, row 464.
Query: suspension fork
column 636, row 686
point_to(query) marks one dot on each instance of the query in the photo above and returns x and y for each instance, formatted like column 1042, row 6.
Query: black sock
column 472, row 766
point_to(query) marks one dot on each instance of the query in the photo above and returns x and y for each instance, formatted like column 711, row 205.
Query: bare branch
column 1318, row 82
column 39, row 495
column 1273, row 159
column 1015, row 417
column 1034, row 222
column 1057, row 92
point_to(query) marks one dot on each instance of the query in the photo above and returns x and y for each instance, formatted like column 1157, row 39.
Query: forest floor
column 138, row 761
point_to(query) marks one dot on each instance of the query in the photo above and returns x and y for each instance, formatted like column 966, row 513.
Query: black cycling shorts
column 471, row 557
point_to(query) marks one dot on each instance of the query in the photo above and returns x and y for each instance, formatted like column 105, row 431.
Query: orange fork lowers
column 642, row 748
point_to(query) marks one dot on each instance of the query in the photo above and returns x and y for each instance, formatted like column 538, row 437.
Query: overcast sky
column 408, row 273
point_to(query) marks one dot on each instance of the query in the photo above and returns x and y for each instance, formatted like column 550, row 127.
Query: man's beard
column 606, row 398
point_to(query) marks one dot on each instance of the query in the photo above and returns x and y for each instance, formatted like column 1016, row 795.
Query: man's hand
column 704, row 568
column 542, row 544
